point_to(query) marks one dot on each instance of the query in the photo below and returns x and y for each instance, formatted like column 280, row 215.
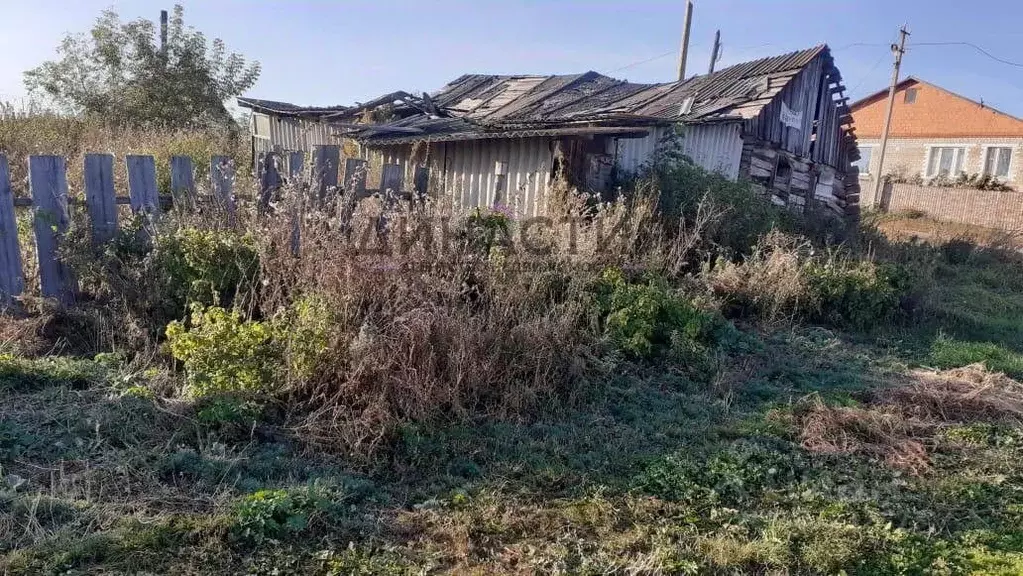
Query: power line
column 975, row 47
column 658, row 57
column 867, row 75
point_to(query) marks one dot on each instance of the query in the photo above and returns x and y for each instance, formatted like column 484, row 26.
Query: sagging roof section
column 478, row 106
column 287, row 109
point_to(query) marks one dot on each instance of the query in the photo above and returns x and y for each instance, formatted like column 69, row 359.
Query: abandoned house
column 484, row 140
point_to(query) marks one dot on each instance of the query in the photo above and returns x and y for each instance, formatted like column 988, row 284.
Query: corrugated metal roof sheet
column 288, row 109
column 479, row 104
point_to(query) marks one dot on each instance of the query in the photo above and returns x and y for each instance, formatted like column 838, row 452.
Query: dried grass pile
column 900, row 423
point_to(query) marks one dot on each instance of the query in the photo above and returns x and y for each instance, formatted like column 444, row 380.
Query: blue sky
column 337, row 52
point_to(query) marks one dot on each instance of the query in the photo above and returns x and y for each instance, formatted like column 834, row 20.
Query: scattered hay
column 882, row 432
column 959, row 395
column 900, row 422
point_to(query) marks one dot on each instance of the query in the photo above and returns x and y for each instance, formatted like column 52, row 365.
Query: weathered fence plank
column 222, row 183
column 296, row 163
column 269, row 180
column 326, row 161
column 12, row 279
column 100, row 200
column 48, row 183
column 142, row 185
column 391, row 177
column 183, row 181
column 355, row 177
column 421, row 181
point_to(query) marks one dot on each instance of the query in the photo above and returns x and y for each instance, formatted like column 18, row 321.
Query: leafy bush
column 483, row 230
column 785, row 278
column 304, row 331
column 274, row 514
column 684, row 186
column 856, row 294
column 207, row 266
column 646, row 318
column 223, row 353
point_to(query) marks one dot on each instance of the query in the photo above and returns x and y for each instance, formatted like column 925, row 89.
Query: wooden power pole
column 714, row 52
column 898, row 50
column 684, row 51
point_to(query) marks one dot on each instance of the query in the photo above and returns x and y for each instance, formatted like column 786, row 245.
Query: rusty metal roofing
column 478, row 106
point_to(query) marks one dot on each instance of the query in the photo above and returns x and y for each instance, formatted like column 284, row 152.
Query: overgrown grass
column 486, row 410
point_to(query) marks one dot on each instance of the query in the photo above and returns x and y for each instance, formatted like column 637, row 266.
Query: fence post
column 142, row 185
column 296, row 162
column 269, row 180
column 886, row 195
column 326, row 159
column 183, row 181
column 222, row 182
column 48, row 182
column 12, row 279
column 354, row 190
column 99, row 197
column 355, row 177
column 391, row 177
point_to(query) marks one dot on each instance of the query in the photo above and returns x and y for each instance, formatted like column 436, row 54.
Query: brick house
column 935, row 133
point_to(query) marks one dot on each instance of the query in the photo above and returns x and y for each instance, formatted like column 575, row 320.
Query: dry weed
column 959, row 395
column 901, row 421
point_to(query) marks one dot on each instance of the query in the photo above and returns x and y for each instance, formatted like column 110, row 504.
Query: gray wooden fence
column 49, row 201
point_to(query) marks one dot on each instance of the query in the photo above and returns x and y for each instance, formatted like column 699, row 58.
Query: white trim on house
column 1013, row 158
column 960, row 155
column 869, row 164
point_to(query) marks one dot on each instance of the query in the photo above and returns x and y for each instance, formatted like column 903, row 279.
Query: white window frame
column 1013, row 158
column 869, row 173
column 965, row 149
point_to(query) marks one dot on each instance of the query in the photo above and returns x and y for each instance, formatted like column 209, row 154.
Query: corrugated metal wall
column 297, row 134
column 292, row 134
column 632, row 153
column 466, row 172
column 715, row 147
column 470, row 173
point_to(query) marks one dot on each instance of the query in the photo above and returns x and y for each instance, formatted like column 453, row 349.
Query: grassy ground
column 814, row 451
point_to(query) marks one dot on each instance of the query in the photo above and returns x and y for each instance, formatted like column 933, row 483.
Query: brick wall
column 1000, row 210
column 908, row 156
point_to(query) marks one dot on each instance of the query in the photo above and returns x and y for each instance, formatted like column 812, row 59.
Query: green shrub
column 223, row 353
column 856, row 294
column 748, row 215
column 275, row 514
column 483, row 230
column 207, row 266
column 646, row 318
column 951, row 353
column 304, row 331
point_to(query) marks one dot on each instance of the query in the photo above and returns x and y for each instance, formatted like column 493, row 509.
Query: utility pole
column 684, row 51
column 714, row 52
column 163, row 36
column 898, row 50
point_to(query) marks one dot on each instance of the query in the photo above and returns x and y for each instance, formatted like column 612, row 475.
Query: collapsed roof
column 477, row 106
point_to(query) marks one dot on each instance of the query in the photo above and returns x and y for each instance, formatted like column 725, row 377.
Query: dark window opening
column 910, row 96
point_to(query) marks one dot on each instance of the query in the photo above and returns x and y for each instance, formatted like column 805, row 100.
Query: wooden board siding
column 809, row 93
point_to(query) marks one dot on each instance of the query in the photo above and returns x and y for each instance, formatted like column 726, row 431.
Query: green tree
column 118, row 72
